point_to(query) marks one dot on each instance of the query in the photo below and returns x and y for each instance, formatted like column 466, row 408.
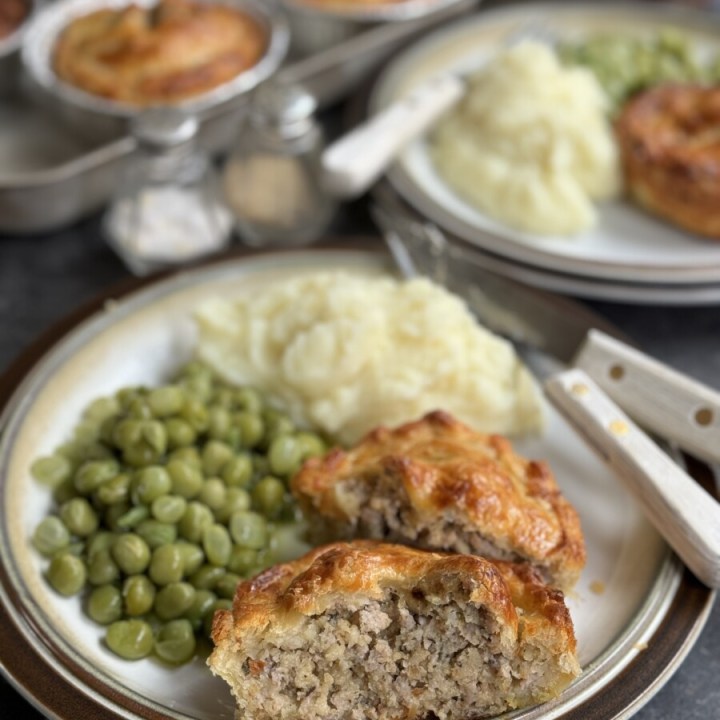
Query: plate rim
column 400, row 179
column 74, row 687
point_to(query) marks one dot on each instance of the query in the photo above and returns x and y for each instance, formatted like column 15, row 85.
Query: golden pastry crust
column 438, row 484
column 165, row 54
column 670, row 152
column 401, row 632
column 12, row 16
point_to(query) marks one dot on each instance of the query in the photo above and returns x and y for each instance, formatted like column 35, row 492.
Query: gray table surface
column 44, row 278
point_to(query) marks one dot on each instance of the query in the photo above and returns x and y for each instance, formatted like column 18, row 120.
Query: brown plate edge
column 42, row 686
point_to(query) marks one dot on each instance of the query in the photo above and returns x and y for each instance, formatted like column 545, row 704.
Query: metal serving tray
column 51, row 177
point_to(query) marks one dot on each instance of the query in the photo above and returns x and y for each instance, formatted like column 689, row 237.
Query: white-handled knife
column 685, row 514
column 659, row 398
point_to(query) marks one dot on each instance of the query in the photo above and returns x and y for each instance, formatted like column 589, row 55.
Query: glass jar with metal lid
column 272, row 180
column 167, row 209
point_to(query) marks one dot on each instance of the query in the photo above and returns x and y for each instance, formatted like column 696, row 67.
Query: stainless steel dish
column 102, row 119
column 315, row 27
column 43, row 165
column 10, row 53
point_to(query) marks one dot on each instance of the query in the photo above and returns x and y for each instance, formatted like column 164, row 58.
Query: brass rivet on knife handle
column 685, row 514
column 658, row 398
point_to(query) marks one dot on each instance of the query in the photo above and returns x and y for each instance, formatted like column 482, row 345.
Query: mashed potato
column 530, row 144
column 345, row 353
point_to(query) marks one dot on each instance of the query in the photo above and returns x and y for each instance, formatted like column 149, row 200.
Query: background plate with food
column 620, row 241
column 631, row 593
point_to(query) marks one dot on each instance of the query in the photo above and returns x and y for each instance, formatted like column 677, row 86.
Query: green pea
column 64, row 491
column 311, row 445
column 284, row 455
column 214, row 455
column 219, row 422
column 251, row 427
column 192, row 556
column 150, row 483
column 133, row 517
column 100, row 540
column 115, row 490
column 188, row 455
column 156, row 533
column 102, row 409
column 217, row 544
column 237, row 472
column 138, row 408
column 102, row 568
column 213, row 493
column 176, row 642
column 276, row 425
column 79, row 517
column 223, row 397
column 138, row 595
column 131, row 553
column 195, row 413
column 155, row 435
column 127, row 433
column 50, row 536
column 166, row 564
column 194, row 368
column 249, row 399
column 249, row 529
column 130, row 639
column 166, row 401
column 226, row 585
column 193, row 523
column 91, row 475
column 86, row 432
column 126, row 395
column 52, row 470
column 186, row 480
column 113, row 514
column 169, row 508
column 235, row 499
column 67, row 574
column 206, row 577
column 174, row 600
column 242, row 560
column 201, row 604
column 268, row 496
column 140, row 455
column 198, row 387
column 180, row 433
column 105, row 604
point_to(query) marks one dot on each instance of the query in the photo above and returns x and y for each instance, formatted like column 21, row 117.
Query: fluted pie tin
column 103, row 119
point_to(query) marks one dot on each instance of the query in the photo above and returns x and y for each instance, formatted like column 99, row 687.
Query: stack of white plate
column 629, row 256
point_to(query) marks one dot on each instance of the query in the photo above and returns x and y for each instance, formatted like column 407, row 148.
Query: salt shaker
column 167, row 209
column 272, row 178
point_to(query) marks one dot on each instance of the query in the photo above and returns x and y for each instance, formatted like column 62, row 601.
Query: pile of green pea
column 164, row 500
column 625, row 64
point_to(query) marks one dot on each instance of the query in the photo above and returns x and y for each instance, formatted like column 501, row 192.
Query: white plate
column 622, row 602
column 627, row 244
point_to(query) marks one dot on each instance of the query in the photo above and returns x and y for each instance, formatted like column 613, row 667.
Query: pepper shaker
column 167, row 209
column 272, row 178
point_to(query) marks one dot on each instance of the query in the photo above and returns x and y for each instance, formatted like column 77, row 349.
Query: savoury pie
column 438, row 484
column 670, row 150
column 372, row 631
column 160, row 55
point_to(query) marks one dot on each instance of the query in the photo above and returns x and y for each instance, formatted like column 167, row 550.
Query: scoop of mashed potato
column 530, row 143
column 345, row 353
